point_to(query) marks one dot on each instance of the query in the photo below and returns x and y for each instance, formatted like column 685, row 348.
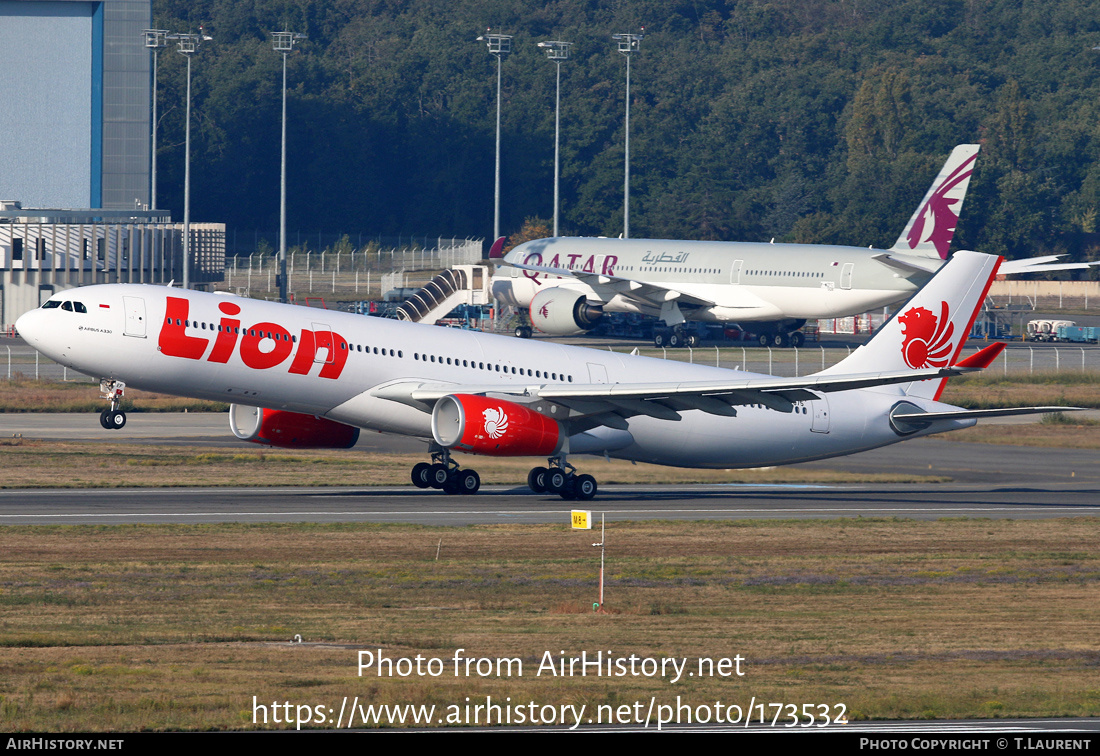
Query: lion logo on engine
column 926, row 338
column 496, row 422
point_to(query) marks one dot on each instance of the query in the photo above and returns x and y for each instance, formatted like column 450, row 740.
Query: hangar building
column 75, row 122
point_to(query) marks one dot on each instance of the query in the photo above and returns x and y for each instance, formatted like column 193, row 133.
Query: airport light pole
column 186, row 46
column 628, row 43
column 499, row 45
column 557, row 52
column 155, row 40
column 283, row 42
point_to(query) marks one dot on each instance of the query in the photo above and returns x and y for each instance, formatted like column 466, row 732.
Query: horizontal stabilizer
column 1043, row 264
column 911, row 416
column 907, row 264
column 984, row 358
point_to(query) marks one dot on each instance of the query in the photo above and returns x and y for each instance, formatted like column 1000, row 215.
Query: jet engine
column 563, row 312
column 289, row 429
column 480, row 425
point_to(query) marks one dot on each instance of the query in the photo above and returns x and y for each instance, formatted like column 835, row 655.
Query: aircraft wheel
column 420, row 473
column 692, row 340
column 438, row 475
column 659, row 339
column 797, row 339
column 536, row 479
column 764, row 340
column 452, row 485
column 468, row 482
column 675, row 340
column 115, row 419
column 569, row 490
column 556, row 480
column 103, row 419
column 585, row 487
column 779, row 340
column 523, row 332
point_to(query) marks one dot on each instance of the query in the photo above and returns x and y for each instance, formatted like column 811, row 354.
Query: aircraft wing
column 646, row 293
column 610, row 403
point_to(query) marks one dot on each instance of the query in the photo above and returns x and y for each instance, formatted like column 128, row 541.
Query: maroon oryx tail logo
column 939, row 214
column 926, row 339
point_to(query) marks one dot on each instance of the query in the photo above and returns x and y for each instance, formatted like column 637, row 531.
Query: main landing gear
column 793, row 339
column 112, row 418
column 675, row 337
column 561, row 478
column 443, row 473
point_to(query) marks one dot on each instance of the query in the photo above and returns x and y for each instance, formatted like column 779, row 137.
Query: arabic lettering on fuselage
column 665, row 258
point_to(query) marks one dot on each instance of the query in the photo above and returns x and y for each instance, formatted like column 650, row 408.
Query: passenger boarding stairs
column 462, row 284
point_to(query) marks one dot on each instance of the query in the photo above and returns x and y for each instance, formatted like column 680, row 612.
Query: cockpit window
column 67, row 306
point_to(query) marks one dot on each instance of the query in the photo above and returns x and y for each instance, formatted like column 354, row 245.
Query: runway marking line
column 514, row 513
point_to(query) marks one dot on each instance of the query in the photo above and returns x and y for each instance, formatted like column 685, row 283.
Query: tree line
column 817, row 121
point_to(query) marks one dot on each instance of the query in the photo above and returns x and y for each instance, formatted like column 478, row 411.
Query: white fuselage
column 745, row 282
column 337, row 365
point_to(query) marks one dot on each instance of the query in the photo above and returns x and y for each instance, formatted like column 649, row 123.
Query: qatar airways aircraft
column 302, row 377
column 568, row 283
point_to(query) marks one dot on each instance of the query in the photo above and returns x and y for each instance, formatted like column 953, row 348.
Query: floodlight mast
column 557, row 52
column 628, row 43
column 187, row 44
column 283, row 42
column 155, row 40
column 499, row 45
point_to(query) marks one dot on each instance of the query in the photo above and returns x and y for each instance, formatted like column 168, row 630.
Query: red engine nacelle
column 289, row 429
column 481, row 425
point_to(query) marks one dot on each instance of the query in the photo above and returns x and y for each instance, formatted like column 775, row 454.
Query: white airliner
column 568, row 283
column 303, row 377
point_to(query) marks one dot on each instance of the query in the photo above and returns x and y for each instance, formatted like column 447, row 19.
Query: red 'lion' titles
column 175, row 342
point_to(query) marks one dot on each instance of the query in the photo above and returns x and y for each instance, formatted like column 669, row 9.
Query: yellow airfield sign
column 582, row 520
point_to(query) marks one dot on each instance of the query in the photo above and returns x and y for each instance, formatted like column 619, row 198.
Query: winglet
column 496, row 252
column 982, row 359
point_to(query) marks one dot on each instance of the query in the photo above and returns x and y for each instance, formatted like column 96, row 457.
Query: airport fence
column 1018, row 360
column 345, row 270
column 23, row 362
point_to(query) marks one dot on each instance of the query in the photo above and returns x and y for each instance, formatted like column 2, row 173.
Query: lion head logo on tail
column 926, row 339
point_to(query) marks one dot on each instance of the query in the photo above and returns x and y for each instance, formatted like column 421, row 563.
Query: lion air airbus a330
column 303, row 377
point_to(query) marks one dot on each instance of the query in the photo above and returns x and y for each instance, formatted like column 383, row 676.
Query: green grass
column 177, row 627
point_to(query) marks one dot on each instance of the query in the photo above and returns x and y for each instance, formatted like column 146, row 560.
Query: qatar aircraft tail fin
column 929, row 330
column 930, row 230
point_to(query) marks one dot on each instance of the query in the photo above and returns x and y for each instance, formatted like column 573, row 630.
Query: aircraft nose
column 29, row 326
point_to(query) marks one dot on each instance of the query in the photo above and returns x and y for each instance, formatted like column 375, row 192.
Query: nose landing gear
column 112, row 418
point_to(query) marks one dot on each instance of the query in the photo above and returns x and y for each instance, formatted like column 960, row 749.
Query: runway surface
column 987, row 481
